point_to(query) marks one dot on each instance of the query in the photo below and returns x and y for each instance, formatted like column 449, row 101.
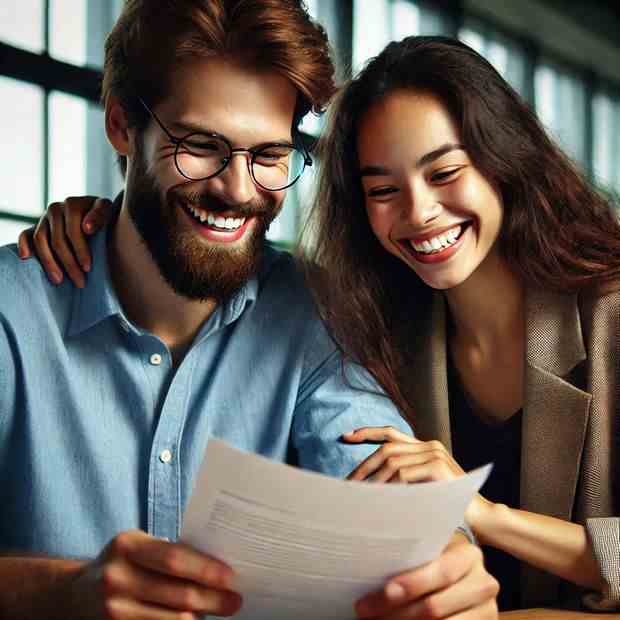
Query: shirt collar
column 97, row 301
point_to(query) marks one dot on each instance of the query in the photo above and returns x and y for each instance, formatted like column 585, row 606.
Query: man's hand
column 65, row 226
column 455, row 585
column 139, row 576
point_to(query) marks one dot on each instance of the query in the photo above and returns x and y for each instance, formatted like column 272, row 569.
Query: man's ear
column 116, row 126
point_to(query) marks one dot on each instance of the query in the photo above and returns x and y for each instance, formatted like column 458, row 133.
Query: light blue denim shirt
column 98, row 432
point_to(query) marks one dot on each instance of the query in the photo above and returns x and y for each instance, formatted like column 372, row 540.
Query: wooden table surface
column 553, row 614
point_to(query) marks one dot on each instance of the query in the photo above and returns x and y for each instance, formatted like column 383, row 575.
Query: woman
column 469, row 266
column 481, row 275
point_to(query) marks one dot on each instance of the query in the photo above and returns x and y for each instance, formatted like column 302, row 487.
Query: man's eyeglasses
column 199, row 156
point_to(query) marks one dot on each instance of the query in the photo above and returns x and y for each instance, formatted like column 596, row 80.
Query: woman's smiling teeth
column 217, row 221
column 438, row 243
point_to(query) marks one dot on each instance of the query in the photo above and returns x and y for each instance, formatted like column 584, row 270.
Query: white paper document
column 306, row 546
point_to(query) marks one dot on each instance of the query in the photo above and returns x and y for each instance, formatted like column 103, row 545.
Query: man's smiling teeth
column 228, row 223
column 438, row 243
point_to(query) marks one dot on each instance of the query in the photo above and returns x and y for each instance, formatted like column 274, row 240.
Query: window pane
column 21, row 24
column 21, row 172
column 503, row 53
column 286, row 227
column 78, row 29
column 433, row 21
column 68, row 30
column 561, row 106
column 9, row 230
column 81, row 159
column 606, row 140
column 371, row 30
column 67, row 165
column 405, row 19
column 603, row 142
column 103, row 177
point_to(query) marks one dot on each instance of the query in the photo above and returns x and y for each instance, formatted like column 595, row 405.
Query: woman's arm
column 557, row 546
column 554, row 545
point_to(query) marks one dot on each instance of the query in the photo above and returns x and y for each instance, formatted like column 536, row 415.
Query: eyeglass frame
column 252, row 150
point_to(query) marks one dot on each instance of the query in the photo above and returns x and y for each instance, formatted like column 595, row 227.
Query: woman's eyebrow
column 437, row 153
column 375, row 171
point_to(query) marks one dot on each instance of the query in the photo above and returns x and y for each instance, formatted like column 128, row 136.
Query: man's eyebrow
column 189, row 127
column 186, row 127
column 370, row 171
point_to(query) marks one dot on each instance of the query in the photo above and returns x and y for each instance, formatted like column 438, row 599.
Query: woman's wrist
column 485, row 518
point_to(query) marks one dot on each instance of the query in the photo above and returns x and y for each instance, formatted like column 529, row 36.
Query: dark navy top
column 474, row 443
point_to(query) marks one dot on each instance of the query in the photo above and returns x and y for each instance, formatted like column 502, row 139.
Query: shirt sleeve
column 604, row 534
column 7, row 376
column 337, row 398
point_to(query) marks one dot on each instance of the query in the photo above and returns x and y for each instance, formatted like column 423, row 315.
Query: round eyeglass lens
column 276, row 167
column 200, row 156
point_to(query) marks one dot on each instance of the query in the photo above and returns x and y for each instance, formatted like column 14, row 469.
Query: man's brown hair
column 151, row 37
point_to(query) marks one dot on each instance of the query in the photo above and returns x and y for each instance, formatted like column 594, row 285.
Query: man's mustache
column 254, row 208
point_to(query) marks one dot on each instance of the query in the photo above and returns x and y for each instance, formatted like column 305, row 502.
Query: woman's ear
column 116, row 126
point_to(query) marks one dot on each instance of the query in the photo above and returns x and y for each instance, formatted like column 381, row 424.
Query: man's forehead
column 222, row 95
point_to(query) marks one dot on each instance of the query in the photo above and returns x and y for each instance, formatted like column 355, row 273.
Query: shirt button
column 165, row 456
column 155, row 359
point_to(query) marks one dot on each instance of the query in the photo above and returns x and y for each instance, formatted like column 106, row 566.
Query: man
column 189, row 327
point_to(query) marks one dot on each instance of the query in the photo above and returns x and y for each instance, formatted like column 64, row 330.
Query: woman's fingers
column 97, row 216
column 24, row 243
column 58, row 237
column 75, row 238
column 40, row 241
column 390, row 456
column 378, row 433
column 431, row 470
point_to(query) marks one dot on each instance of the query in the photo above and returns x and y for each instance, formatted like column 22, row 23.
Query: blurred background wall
column 562, row 56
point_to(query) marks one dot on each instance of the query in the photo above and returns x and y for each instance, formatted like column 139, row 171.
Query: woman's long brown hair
column 558, row 232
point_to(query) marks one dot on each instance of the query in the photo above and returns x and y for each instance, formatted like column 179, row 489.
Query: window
column 53, row 52
column 22, row 24
column 606, row 140
column 502, row 52
column 285, row 228
column 561, row 107
column 377, row 23
column 53, row 125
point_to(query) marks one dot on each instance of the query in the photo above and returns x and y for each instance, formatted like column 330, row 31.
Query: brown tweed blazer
column 570, row 454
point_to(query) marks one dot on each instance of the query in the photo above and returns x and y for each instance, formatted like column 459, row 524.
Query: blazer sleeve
column 604, row 534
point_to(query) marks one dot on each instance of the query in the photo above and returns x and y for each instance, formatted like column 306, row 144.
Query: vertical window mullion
column 46, row 114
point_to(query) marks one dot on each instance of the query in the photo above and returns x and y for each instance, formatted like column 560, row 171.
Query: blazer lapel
column 555, row 415
column 555, row 412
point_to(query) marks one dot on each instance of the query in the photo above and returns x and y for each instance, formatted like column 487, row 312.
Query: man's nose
column 235, row 184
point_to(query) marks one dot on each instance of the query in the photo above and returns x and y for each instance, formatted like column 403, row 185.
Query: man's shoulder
column 16, row 273
column 25, row 287
column 282, row 279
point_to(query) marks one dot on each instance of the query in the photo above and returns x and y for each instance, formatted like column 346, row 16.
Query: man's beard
column 194, row 268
